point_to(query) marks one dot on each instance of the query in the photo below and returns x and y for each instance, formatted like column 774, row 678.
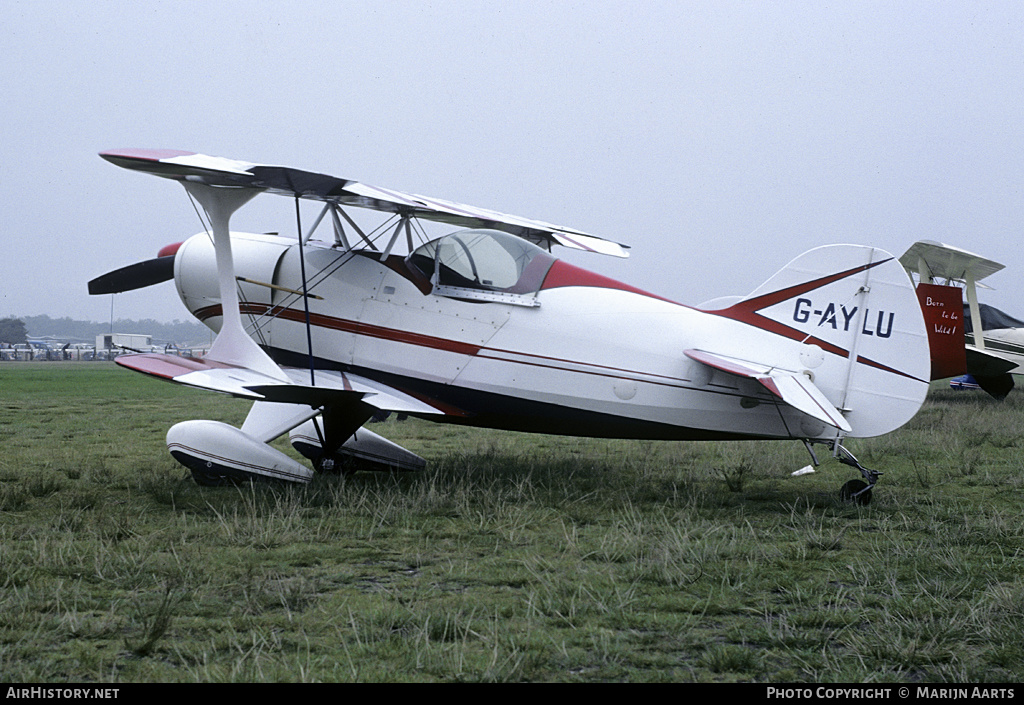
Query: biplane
column 992, row 341
column 485, row 326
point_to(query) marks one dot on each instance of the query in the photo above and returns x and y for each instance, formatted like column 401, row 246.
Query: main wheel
column 848, row 492
column 335, row 465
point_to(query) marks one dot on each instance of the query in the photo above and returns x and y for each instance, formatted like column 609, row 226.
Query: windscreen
column 484, row 259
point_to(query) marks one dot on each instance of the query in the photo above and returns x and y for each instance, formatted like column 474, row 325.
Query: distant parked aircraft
column 990, row 358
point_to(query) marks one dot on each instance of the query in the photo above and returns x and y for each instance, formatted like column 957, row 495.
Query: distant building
column 130, row 341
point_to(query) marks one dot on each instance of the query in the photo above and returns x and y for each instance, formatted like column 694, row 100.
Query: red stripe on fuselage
column 346, row 326
column 436, row 343
column 564, row 274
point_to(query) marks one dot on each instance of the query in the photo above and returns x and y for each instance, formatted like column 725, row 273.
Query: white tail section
column 848, row 317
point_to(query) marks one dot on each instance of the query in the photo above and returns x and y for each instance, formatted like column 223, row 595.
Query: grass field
column 512, row 558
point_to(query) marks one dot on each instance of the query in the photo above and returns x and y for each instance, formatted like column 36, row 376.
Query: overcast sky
column 719, row 140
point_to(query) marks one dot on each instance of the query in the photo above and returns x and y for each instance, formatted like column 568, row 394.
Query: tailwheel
column 856, row 491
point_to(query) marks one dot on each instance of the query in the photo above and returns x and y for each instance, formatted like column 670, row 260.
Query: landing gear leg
column 858, row 491
column 808, row 469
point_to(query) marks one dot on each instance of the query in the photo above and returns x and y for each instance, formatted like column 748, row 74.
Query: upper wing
column 947, row 262
column 217, row 171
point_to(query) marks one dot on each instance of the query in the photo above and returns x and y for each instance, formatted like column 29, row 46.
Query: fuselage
column 576, row 354
column 1007, row 343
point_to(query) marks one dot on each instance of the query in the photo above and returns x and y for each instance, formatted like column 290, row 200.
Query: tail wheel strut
column 858, row 491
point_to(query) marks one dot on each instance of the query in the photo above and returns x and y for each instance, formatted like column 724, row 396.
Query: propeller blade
column 134, row 276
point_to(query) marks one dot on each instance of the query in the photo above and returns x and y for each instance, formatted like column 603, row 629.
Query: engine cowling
column 255, row 257
column 218, row 453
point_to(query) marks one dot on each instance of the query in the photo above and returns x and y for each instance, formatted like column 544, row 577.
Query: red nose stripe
column 168, row 250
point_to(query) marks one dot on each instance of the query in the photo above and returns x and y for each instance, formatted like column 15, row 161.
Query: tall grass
column 511, row 558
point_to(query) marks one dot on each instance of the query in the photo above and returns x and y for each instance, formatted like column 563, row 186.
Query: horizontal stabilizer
column 794, row 388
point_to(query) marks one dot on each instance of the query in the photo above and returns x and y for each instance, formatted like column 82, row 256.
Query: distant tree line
column 13, row 331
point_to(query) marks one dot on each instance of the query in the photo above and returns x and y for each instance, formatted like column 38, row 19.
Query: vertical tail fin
column 854, row 326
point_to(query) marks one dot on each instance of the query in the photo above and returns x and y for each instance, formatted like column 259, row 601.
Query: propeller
column 134, row 276
column 138, row 275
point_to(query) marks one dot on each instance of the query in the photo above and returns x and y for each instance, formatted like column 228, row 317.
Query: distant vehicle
column 119, row 342
column 79, row 351
column 964, row 382
column 22, row 352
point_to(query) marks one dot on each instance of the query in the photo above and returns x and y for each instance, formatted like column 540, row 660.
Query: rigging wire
column 257, row 321
column 207, row 227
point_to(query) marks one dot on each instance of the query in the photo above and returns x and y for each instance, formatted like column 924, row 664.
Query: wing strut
column 305, row 292
column 232, row 345
column 403, row 223
column 972, row 303
column 339, row 231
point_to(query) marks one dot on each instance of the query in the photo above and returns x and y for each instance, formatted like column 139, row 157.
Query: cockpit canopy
column 485, row 261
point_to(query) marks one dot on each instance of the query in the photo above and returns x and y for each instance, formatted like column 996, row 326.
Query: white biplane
column 991, row 357
column 485, row 326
